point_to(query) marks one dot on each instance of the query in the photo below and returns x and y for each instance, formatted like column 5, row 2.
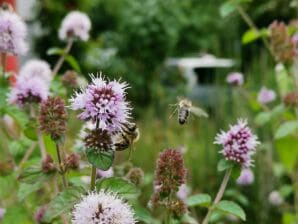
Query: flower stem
column 251, row 24
column 93, row 178
column 62, row 170
column 218, row 195
column 27, row 154
column 59, row 63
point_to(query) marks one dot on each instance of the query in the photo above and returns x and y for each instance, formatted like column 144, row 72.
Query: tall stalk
column 60, row 61
column 218, row 195
column 61, row 166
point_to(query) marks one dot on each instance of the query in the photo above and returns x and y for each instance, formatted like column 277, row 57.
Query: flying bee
column 185, row 108
column 127, row 137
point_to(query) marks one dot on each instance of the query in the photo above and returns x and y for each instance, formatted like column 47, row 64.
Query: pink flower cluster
column 12, row 33
column 266, row 96
column 239, row 143
column 235, row 79
column 32, row 85
column 76, row 24
column 103, row 102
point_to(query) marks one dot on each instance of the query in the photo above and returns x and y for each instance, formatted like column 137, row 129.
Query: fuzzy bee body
column 129, row 135
column 183, row 115
column 185, row 108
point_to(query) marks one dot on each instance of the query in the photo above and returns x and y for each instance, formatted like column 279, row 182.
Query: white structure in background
column 187, row 66
column 200, row 74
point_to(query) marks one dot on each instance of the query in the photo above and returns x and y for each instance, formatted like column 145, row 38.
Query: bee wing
column 198, row 112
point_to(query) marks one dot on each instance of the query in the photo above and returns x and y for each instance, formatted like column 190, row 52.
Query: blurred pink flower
column 28, row 91
column 246, row 177
column 76, row 24
column 239, row 143
column 105, row 174
column 266, row 95
column 235, row 79
column 275, row 198
column 183, row 192
column 2, row 213
column 35, row 68
column 12, row 33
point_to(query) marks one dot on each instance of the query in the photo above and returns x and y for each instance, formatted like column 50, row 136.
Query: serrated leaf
column 34, row 174
column 26, row 189
column 224, row 164
column 231, row 207
column 55, row 51
column 63, row 202
column 198, row 200
column 101, row 160
column 120, row 186
column 227, row 8
column 286, row 128
column 73, row 63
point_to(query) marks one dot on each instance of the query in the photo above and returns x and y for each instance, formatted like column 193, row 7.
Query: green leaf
column 231, row 207
column 16, row 215
column 143, row 215
column 55, row 51
column 283, row 80
column 73, row 63
column 285, row 129
column 63, row 202
column 187, row 219
column 198, row 200
column 18, row 115
column 252, row 35
column 30, row 130
column 120, row 186
column 230, row 6
column 288, row 218
column 224, row 164
column 26, row 189
column 102, row 160
column 287, row 152
column 263, row 118
column 34, row 174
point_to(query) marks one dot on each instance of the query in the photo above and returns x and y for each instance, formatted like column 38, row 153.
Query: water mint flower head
column 36, row 69
column 103, row 102
column 28, row 91
column 235, row 79
column 102, row 208
column 246, row 177
column 275, row 198
column 76, row 24
column 266, row 96
column 239, row 143
column 12, row 33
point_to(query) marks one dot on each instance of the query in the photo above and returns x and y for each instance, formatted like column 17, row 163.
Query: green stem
column 218, row 195
column 251, row 24
column 61, row 167
column 62, row 57
column 93, row 178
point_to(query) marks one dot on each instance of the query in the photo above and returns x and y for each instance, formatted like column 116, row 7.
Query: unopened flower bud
column 52, row 118
column 38, row 216
column 47, row 164
column 135, row 175
column 291, row 99
column 72, row 161
column 69, row 79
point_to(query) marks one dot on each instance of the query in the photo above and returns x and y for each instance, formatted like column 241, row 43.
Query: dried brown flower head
column 281, row 43
column 98, row 140
column 48, row 165
column 53, row 117
column 72, row 161
column 135, row 175
column 70, row 79
column 291, row 99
